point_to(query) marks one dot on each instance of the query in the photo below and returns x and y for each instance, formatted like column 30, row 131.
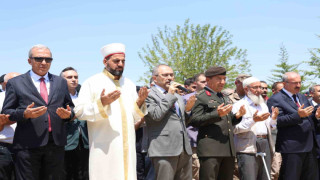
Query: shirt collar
column 289, row 93
column 160, row 88
column 36, row 77
column 74, row 96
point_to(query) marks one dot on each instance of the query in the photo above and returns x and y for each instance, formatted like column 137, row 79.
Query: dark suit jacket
column 167, row 133
column 215, row 136
column 73, row 134
column 295, row 134
column 33, row 133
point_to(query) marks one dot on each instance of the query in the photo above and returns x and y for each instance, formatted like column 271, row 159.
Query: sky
column 76, row 30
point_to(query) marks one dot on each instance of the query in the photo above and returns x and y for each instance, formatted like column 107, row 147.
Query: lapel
column 30, row 85
column 289, row 100
column 53, row 86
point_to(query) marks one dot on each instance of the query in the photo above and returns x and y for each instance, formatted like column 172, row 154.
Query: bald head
column 7, row 77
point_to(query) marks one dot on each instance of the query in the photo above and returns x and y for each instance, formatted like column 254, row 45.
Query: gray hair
column 38, row 46
column 285, row 76
column 155, row 71
column 311, row 89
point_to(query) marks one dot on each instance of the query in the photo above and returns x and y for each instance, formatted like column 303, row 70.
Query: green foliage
column 284, row 67
column 192, row 49
column 314, row 62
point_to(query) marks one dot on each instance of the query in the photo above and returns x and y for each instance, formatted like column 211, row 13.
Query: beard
column 114, row 72
column 255, row 99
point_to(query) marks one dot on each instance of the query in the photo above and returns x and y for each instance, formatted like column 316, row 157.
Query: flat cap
column 2, row 78
column 242, row 77
column 215, row 70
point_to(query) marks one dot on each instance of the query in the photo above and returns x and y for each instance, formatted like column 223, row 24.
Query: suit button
column 206, row 136
column 228, row 122
column 229, row 130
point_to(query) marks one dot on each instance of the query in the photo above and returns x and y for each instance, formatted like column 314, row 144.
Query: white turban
column 111, row 49
column 249, row 81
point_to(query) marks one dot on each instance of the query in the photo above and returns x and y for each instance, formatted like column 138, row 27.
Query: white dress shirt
column 6, row 135
column 36, row 81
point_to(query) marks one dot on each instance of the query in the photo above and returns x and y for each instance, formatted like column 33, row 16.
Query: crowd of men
column 108, row 128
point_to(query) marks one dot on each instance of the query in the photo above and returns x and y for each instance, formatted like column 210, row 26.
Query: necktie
column 44, row 95
column 295, row 100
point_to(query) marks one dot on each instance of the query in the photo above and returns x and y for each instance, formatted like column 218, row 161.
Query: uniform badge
column 208, row 93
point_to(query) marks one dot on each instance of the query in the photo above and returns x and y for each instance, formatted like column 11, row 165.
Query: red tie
column 295, row 100
column 44, row 95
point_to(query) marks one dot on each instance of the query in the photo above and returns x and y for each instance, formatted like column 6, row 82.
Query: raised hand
column 4, row 119
column 190, row 103
column 224, row 110
column 143, row 94
column 109, row 98
column 260, row 117
column 318, row 113
column 305, row 112
column 31, row 112
column 242, row 111
column 64, row 113
column 274, row 113
column 173, row 87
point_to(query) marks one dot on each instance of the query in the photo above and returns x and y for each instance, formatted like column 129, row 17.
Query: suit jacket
column 33, row 132
column 73, row 134
column 215, row 138
column 166, row 130
column 295, row 134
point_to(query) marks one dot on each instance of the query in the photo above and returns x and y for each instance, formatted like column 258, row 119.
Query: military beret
column 215, row 70
column 242, row 77
column 2, row 78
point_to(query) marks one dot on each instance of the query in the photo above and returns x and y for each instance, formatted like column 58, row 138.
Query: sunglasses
column 40, row 59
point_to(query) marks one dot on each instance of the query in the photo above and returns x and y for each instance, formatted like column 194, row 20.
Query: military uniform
column 215, row 139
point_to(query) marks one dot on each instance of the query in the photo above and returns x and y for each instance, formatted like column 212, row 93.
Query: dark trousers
column 42, row 163
column 145, row 170
column 173, row 167
column 6, row 162
column 251, row 166
column 76, row 163
column 220, row 168
column 299, row 166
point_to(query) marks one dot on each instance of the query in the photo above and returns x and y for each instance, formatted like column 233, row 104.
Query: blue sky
column 76, row 30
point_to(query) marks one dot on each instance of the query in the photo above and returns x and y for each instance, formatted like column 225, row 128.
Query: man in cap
column 296, row 139
column 212, row 115
column 110, row 104
column 239, row 92
column 7, row 128
column 253, row 134
column 40, row 104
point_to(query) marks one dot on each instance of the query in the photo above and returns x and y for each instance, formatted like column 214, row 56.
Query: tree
column 314, row 62
column 284, row 67
column 192, row 49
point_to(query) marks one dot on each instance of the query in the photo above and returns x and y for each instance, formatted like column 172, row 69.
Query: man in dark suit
column 169, row 147
column 76, row 160
column 296, row 131
column 40, row 104
column 212, row 115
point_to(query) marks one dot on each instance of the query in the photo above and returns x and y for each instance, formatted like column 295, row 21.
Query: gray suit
column 169, row 147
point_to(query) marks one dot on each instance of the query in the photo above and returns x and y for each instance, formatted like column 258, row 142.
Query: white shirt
column 247, row 123
column 36, row 81
column 6, row 135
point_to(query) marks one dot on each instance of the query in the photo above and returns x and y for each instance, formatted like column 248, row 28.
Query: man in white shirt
column 252, row 134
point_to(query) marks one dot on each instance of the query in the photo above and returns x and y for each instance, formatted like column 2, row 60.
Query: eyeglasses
column 255, row 87
column 40, row 59
column 294, row 82
column 166, row 75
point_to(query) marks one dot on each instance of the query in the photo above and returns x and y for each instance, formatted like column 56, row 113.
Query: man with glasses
column 212, row 115
column 40, row 104
column 253, row 134
column 296, row 139
column 109, row 103
column 169, row 147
